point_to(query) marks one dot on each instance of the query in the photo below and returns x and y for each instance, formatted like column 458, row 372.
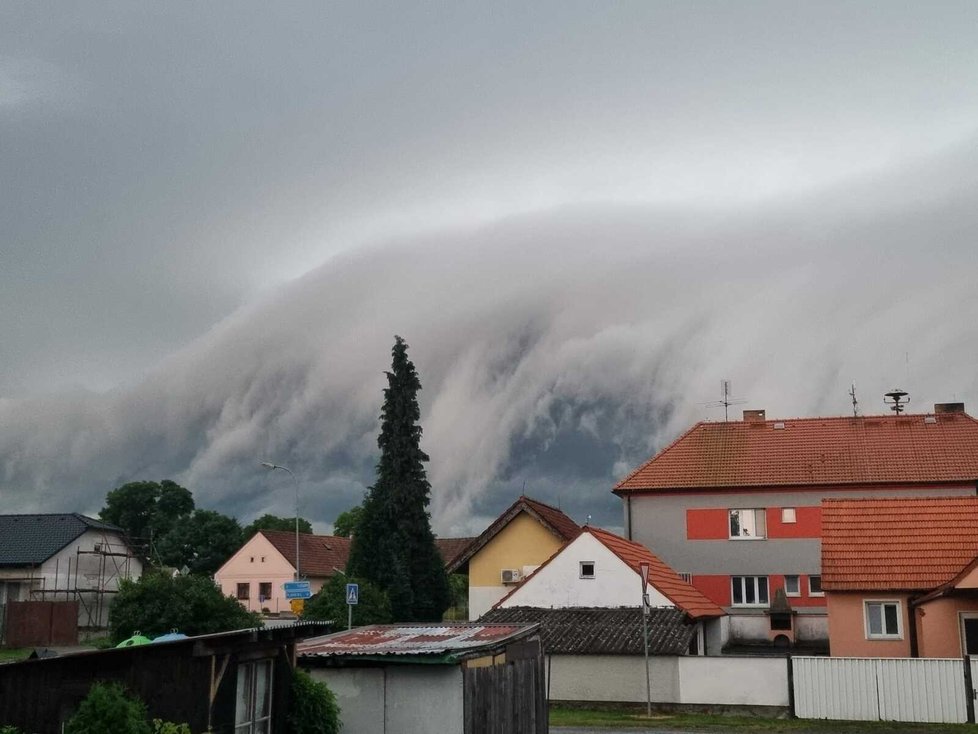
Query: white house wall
column 558, row 584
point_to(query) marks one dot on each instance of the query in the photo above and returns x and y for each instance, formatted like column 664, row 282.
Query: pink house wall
column 940, row 627
column 259, row 562
column 847, row 626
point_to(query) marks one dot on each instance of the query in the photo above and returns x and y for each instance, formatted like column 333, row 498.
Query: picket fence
column 884, row 689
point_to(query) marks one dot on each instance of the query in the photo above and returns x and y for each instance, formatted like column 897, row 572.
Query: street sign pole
column 352, row 597
column 645, row 638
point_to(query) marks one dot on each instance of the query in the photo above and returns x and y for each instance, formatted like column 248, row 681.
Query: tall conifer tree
column 394, row 546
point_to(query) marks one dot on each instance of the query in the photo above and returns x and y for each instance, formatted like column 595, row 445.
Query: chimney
column 948, row 408
column 753, row 416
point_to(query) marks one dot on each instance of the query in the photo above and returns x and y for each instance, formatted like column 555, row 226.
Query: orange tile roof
column 681, row 593
column 814, row 451
column 451, row 548
column 913, row 543
column 319, row 555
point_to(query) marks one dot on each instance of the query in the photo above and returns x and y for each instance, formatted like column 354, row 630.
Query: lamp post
column 644, row 572
column 270, row 465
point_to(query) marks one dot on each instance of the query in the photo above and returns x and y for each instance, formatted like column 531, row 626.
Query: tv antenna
column 726, row 401
column 855, row 403
column 898, row 400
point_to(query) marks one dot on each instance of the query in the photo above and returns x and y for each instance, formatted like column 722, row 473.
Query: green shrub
column 168, row 727
column 108, row 710
column 10, row 730
column 330, row 603
column 314, row 709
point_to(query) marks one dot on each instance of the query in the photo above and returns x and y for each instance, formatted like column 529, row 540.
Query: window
column 749, row 591
column 788, row 515
column 792, row 585
column 265, row 591
column 883, row 620
column 263, row 559
column 253, row 706
column 587, row 569
column 252, row 559
column 815, row 586
column 244, row 592
column 747, row 524
column 687, row 577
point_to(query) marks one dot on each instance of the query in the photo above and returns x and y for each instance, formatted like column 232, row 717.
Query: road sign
column 297, row 605
column 297, row 590
column 352, row 594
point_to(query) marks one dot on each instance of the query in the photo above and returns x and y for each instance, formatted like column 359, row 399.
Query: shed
column 461, row 678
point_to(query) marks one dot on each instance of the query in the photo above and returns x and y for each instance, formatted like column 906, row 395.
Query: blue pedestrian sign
column 297, row 590
column 352, row 594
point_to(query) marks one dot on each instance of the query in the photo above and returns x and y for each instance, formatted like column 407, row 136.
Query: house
column 255, row 575
column 217, row 682
column 64, row 557
column 901, row 576
column 735, row 507
column 599, row 569
column 449, row 678
column 525, row 535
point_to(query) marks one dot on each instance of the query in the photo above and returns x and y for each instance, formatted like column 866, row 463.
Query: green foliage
column 147, row 510
column 158, row 603
column 347, row 522
column 10, row 730
column 373, row 606
column 458, row 589
column 273, row 522
column 168, row 727
column 314, row 709
column 201, row 542
column 395, row 547
column 108, row 710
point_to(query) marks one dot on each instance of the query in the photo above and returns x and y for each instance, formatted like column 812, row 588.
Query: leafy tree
column 108, row 710
column 373, row 606
column 147, row 510
column 347, row 522
column 273, row 522
column 395, row 547
column 159, row 603
column 314, row 709
column 202, row 542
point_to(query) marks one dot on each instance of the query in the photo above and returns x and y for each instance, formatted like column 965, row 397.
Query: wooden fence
column 38, row 623
column 505, row 699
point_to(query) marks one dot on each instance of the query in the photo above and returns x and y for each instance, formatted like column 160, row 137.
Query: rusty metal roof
column 454, row 640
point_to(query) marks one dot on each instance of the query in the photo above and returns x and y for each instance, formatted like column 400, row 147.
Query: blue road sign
column 297, row 590
column 353, row 594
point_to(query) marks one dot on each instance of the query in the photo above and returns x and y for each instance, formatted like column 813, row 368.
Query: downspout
column 912, row 612
column 628, row 510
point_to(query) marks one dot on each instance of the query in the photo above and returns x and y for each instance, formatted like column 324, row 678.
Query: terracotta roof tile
column 319, row 555
column 451, row 548
column 913, row 543
column 814, row 451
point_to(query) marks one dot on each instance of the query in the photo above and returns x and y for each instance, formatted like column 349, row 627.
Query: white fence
column 881, row 689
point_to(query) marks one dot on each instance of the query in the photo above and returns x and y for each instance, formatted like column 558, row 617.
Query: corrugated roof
column 458, row 639
column 27, row 540
column 586, row 631
column 913, row 543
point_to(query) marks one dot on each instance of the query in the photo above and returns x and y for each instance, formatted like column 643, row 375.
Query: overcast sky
column 581, row 216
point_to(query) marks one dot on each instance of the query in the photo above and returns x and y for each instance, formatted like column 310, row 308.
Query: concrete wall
column 558, row 584
column 720, row 681
column 397, row 699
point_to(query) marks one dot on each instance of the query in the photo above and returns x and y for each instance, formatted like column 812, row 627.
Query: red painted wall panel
column 775, row 581
column 707, row 524
column 714, row 588
column 808, row 523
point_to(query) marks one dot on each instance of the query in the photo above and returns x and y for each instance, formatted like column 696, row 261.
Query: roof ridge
column 661, row 452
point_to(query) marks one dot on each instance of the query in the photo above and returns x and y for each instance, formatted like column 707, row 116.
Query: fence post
column 969, row 691
column 791, row 686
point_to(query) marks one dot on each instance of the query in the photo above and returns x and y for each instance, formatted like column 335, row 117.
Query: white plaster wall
column 397, row 699
column 717, row 634
column 737, row 681
column 749, row 626
column 482, row 598
column 558, row 584
column 812, row 626
column 611, row 678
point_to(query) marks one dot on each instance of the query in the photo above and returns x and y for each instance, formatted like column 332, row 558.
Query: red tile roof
column 550, row 517
column 319, row 555
column 681, row 593
column 912, row 543
column 814, row 451
column 451, row 548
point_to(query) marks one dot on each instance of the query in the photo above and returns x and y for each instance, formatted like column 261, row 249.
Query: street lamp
column 270, row 465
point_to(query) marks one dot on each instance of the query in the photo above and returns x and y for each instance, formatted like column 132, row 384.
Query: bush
column 108, row 710
column 158, row 603
column 314, row 709
column 168, row 727
column 330, row 603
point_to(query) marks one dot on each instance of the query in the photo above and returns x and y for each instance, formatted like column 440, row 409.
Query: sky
column 582, row 217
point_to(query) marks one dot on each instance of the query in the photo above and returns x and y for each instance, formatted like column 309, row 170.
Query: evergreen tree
column 394, row 547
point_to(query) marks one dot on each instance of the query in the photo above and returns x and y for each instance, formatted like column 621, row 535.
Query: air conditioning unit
column 510, row 575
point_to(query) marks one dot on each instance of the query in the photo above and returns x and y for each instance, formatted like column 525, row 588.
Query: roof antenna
column 726, row 401
column 896, row 400
column 523, row 493
column 855, row 403
column 587, row 523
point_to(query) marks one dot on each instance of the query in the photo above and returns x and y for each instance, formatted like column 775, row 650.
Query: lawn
column 572, row 717
column 10, row 655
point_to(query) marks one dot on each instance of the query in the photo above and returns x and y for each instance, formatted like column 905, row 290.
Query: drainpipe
column 628, row 509
column 912, row 610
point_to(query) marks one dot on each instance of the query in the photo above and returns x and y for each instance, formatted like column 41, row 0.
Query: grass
column 574, row 717
column 10, row 655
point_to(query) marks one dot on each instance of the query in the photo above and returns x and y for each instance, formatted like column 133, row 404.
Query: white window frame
column 789, row 516
column 581, row 569
column 797, row 578
column 867, row 603
column 757, row 511
column 248, row 721
column 755, row 581
column 815, row 593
